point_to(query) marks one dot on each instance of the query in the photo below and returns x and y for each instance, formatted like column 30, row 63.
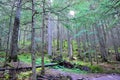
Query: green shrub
column 96, row 69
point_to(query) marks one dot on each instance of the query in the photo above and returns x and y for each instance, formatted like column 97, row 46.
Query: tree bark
column 61, row 40
column 33, row 43
column 9, row 32
column 115, row 45
column 69, row 44
column 102, row 44
column 14, row 40
column 0, row 43
column 58, row 34
column 49, row 35
column 43, row 30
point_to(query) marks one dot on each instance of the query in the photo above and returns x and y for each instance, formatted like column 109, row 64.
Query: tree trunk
column 14, row 40
column 49, row 35
column 9, row 32
column 58, row 34
column 43, row 30
column 33, row 44
column 61, row 41
column 0, row 43
column 69, row 45
column 78, row 44
column 102, row 44
column 24, row 31
column 118, row 34
column 115, row 45
column 95, row 44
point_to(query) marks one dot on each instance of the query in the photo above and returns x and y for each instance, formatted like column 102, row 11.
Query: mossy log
column 27, row 68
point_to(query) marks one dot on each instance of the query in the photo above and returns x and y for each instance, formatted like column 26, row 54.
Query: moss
column 24, row 75
column 2, row 54
column 26, row 57
column 96, row 69
column 73, row 70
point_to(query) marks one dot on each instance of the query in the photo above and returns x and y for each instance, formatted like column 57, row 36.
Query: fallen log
column 28, row 68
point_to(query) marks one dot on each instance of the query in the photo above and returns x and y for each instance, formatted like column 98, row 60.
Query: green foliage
column 26, row 44
column 24, row 75
column 38, row 60
column 96, row 69
column 80, row 33
column 26, row 57
column 6, row 74
column 27, row 74
column 78, row 62
column 2, row 53
column 75, row 47
column 74, row 70
column 2, row 59
column 93, row 68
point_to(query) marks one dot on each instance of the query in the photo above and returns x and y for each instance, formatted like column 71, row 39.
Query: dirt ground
column 89, row 76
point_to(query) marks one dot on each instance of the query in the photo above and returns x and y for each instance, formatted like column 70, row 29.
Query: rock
column 80, row 79
column 81, row 67
column 85, row 68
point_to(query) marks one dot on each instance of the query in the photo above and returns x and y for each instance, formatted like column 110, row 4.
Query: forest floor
column 89, row 76
column 110, row 68
column 111, row 71
column 108, row 73
column 52, row 73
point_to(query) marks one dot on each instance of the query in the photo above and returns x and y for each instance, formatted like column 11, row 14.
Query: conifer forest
column 59, row 39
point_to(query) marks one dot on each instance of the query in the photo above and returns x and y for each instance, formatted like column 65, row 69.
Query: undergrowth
column 26, row 57
column 73, row 70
